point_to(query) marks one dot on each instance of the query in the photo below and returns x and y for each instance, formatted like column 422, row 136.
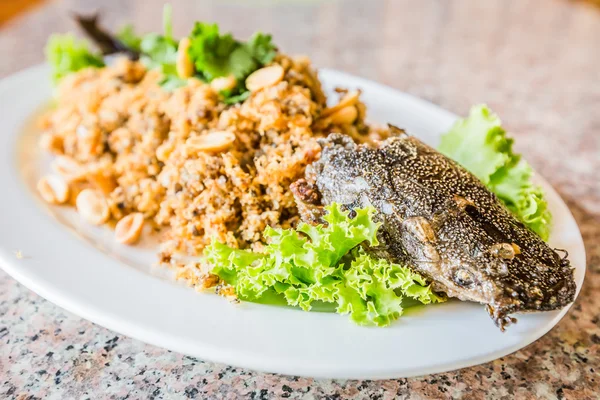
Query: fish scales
column 442, row 221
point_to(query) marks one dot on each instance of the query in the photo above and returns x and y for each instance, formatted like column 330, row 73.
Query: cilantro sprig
column 214, row 54
column 217, row 55
column 160, row 51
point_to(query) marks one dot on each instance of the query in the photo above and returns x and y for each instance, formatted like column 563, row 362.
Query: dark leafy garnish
column 106, row 42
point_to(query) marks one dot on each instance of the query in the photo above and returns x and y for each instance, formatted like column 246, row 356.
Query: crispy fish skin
column 440, row 219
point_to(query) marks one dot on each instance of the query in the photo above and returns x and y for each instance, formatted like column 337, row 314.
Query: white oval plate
column 81, row 269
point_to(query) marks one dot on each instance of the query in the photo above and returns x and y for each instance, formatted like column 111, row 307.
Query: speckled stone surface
column 536, row 62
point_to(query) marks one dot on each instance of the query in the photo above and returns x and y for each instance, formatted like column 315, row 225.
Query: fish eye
column 504, row 250
column 463, row 278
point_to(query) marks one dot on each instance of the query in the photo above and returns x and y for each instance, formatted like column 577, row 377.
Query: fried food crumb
column 141, row 143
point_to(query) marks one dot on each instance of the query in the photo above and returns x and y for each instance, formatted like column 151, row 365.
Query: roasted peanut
column 184, row 64
column 345, row 115
column 92, row 206
column 212, row 142
column 129, row 228
column 350, row 99
column 53, row 189
column 223, row 83
column 264, row 77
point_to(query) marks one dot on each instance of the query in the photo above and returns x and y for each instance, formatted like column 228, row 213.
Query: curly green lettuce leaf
column 381, row 287
column 481, row 145
column 512, row 184
column 324, row 263
column 478, row 143
column 66, row 54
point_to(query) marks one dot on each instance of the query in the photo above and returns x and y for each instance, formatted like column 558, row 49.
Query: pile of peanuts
column 91, row 203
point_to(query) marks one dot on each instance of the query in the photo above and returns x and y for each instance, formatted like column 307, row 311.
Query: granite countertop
column 534, row 62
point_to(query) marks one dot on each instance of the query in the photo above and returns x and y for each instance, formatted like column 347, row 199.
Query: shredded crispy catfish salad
column 197, row 140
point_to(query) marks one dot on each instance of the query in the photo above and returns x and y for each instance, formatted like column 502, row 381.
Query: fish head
column 496, row 260
column 343, row 183
column 449, row 258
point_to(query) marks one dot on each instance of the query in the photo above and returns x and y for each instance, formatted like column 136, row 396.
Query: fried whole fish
column 441, row 220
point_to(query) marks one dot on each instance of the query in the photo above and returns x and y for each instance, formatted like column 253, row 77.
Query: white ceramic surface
column 81, row 269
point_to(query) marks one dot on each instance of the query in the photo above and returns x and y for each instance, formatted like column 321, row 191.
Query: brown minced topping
column 193, row 166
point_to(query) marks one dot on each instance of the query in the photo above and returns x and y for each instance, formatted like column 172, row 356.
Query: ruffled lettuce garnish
column 324, row 263
column 67, row 54
column 480, row 144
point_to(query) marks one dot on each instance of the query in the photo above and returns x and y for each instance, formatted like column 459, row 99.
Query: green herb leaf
column 480, row 144
column 233, row 99
column 66, row 54
column 159, row 52
column 261, row 48
column 129, row 38
column 241, row 63
column 172, row 82
column 168, row 21
column 324, row 264
column 213, row 54
column 216, row 55
column 211, row 51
